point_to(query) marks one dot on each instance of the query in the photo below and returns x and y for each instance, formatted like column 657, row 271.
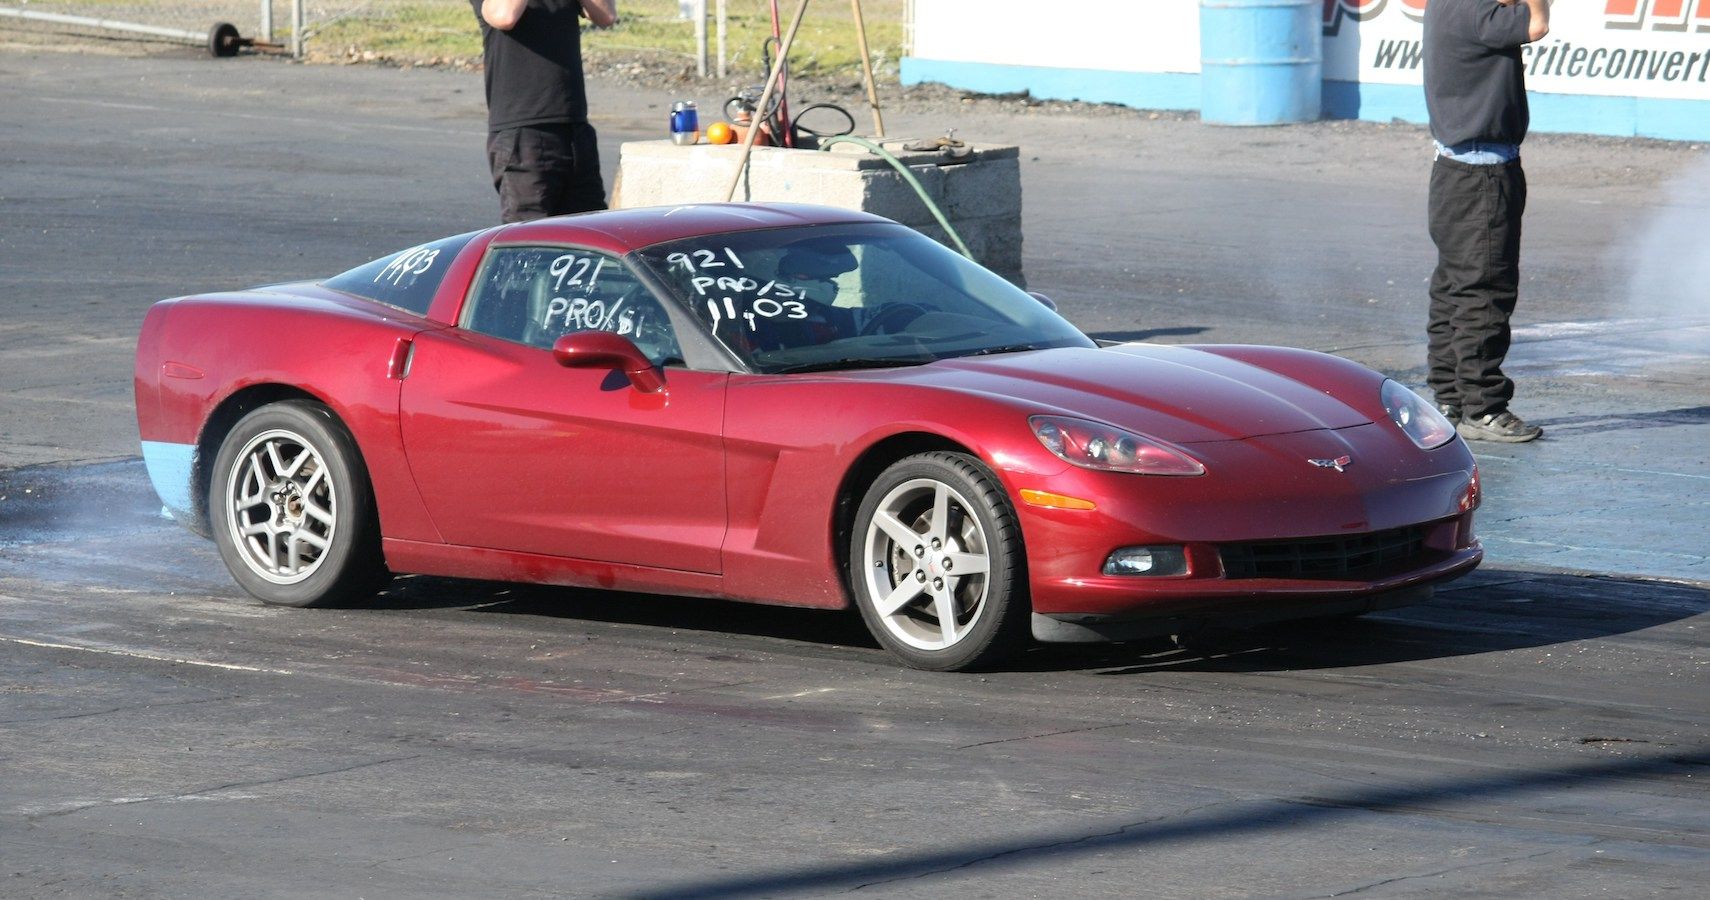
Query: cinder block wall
column 981, row 196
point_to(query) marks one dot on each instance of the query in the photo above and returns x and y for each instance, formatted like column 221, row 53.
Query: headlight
column 1091, row 445
column 1418, row 419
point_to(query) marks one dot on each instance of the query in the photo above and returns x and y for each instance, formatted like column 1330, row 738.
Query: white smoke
column 1665, row 265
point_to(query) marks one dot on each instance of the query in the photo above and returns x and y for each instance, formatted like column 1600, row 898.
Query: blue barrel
column 1261, row 61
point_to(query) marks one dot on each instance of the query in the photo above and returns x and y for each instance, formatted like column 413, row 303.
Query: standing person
column 542, row 150
column 1475, row 91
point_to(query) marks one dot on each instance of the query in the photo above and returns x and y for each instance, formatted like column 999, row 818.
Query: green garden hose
column 826, row 144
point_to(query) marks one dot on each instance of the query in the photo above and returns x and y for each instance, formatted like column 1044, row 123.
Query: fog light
column 1147, row 561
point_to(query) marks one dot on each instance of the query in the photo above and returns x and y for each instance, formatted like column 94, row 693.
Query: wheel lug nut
column 920, row 574
column 919, row 551
column 938, row 584
column 945, row 564
column 937, row 544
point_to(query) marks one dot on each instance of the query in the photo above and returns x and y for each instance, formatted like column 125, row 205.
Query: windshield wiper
column 854, row 362
column 1006, row 348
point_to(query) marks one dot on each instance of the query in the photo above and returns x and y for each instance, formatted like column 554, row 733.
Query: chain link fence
column 444, row 32
column 181, row 21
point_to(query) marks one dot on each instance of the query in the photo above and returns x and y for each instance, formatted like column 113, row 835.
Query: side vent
column 398, row 368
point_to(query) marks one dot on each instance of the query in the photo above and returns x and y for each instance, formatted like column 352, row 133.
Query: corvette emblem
column 1340, row 463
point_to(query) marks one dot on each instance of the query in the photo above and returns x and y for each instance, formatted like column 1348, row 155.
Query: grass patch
column 424, row 30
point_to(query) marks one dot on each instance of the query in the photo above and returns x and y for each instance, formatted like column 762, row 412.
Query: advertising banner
column 1614, row 48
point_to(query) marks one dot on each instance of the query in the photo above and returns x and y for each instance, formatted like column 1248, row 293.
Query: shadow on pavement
column 1662, row 418
column 1280, row 816
column 1489, row 611
column 812, row 626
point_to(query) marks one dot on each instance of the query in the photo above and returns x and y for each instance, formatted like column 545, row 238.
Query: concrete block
column 981, row 196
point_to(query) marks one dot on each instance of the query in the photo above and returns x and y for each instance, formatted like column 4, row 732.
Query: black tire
column 292, row 510
column 223, row 40
column 989, row 610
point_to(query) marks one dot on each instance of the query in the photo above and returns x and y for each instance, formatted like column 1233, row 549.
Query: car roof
column 620, row 231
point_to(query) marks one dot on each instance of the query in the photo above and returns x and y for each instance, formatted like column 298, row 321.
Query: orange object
column 1054, row 501
column 720, row 133
column 739, row 133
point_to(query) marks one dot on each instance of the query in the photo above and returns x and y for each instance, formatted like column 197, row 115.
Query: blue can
column 685, row 123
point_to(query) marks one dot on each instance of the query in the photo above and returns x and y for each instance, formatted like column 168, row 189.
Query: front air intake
column 1342, row 557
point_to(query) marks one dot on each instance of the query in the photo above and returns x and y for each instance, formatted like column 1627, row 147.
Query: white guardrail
column 222, row 38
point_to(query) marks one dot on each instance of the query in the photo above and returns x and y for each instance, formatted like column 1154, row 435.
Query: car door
column 513, row 451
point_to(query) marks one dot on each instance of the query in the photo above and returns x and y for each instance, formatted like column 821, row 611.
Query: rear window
column 407, row 279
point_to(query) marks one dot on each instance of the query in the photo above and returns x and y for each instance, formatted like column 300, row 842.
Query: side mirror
column 604, row 350
column 1047, row 301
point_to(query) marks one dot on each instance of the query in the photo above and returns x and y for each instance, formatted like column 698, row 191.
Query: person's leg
column 1480, row 290
column 585, row 189
column 520, row 173
column 1481, row 321
column 564, row 164
column 1455, row 209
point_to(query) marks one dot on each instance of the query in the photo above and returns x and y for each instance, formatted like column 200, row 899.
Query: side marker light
column 1054, row 501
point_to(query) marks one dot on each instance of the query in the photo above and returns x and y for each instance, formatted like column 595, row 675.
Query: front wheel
column 937, row 566
column 292, row 511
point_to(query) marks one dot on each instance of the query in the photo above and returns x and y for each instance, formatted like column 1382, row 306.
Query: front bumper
column 1256, row 494
column 1277, row 602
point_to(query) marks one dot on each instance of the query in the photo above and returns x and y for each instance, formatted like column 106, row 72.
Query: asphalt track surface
column 1540, row 728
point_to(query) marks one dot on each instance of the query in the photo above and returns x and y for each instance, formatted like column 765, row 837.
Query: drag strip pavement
column 1524, row 733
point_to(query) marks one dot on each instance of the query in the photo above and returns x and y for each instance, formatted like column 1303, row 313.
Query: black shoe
column 1504, row 427
column 1451, row 412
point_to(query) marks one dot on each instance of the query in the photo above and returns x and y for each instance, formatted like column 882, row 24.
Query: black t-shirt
column 534, row 71
column 1475, row 82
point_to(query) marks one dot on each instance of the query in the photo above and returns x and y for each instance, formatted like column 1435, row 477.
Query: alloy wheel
column 281, row 506
column 926, row 564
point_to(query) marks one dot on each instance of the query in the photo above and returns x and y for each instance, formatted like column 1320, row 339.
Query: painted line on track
column 143, row 654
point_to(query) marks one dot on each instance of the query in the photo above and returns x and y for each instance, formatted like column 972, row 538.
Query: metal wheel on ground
column 291, row 508
column 937, row 565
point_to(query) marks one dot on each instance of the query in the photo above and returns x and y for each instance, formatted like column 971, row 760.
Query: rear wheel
column 292, row 510
column 936, row 564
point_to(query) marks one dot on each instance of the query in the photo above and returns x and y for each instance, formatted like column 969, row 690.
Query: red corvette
column 789, row 405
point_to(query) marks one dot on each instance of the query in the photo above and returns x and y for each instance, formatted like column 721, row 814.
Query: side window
column 535, row 295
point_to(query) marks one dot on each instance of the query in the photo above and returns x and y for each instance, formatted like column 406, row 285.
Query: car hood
column 1175, row 393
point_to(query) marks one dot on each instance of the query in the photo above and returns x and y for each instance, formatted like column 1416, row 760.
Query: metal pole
column 267, row 21
column 297, row 29
column 787, row 139
column 867, row 70
column 721, row 30
column 108, row 24
column 701, row 38
column 765, row 98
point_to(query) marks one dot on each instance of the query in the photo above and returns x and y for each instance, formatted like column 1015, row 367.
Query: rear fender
column 223, row 356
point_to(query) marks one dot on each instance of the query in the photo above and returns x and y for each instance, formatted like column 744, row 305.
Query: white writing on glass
column 771, row 299
column 569, row 270
column 745, row 285
column 763, row 308
column 406, row 264
column 705, row 259
column 582, row 314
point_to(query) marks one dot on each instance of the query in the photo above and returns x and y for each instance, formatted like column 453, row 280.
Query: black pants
column 546, row 170
column 1475, row 222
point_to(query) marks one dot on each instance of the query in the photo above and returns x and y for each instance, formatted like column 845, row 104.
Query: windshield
column 850, row 296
